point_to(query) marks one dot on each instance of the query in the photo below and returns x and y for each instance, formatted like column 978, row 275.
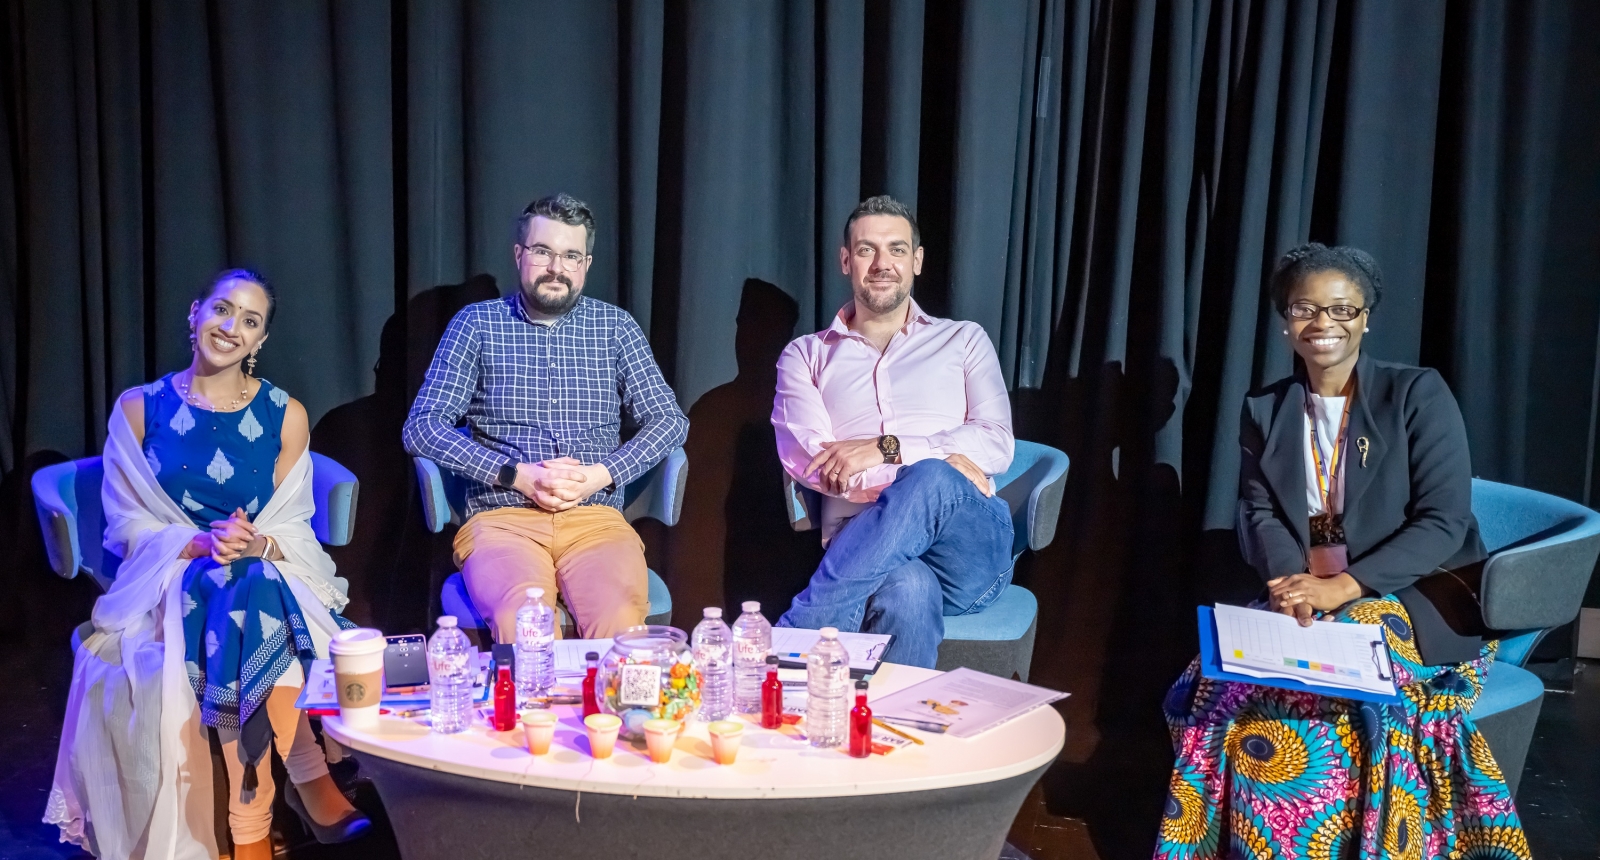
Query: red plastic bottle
column 505, row 700
column 771, row 697
column 861, row 724
column 591, row 705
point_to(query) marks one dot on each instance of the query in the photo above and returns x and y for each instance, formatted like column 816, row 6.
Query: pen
column 939, row 728
column 558, row 700
column 412, row 712
column 894, row 731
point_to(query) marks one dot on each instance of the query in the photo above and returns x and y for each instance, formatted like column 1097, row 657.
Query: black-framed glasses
column 1309, row 311
column 570, row 261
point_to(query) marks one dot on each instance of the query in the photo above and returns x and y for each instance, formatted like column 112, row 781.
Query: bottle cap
column 861, row 683
column 713, row 612
column 829, row 632
column 536, row 593
column 447, row 621
column 592, row 655
column 751, row 606
column 772, row 659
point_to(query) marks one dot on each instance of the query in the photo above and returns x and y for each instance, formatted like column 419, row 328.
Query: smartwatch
column 889, row 446
column 508, row 476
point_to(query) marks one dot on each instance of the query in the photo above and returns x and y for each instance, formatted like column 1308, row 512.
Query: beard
column 880, row 303
column 551, row 307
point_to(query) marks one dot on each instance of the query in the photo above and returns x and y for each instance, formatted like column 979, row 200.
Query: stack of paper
column 1328, row 655
column 791, row 644
column 967, row 701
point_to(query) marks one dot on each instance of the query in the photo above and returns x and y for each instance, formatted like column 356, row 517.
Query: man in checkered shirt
column 524, row 398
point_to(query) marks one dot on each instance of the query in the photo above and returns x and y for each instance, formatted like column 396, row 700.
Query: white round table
column 481, row 793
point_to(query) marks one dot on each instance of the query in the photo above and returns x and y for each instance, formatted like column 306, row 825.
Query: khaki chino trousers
column 588, row 554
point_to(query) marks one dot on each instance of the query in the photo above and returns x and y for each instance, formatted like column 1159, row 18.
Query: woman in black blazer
column 1356, row 506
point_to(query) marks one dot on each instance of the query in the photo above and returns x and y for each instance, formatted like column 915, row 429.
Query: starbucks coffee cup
column 358, row 675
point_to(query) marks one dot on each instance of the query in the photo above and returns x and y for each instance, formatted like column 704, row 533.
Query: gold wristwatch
column 889, row 446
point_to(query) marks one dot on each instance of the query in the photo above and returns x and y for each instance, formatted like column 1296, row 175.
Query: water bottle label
column 640, row 685
column 750, row 651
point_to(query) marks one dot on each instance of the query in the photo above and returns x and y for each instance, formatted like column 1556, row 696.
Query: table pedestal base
column 449, row 817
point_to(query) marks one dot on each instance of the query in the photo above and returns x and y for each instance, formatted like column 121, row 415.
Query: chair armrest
column 658, row 493
column 336, row 490
column 1540, row 585
column 436, row 510
column 1044, row 507
column 55, row 501
column 802, row 504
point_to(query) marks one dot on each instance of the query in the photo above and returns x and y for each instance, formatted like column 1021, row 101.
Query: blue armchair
column 998, row 640
column 67, row 499
column 1542, row 549
column 657, row 494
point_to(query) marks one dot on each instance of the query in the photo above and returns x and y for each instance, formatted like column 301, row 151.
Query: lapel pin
column 1362, row 445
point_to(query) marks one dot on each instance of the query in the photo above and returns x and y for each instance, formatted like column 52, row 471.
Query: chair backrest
column 1542, row 551
column 657, row 493
column 66, row 497
column 1032, row 487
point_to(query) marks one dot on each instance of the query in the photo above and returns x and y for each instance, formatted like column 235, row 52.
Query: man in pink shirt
column 899, row 419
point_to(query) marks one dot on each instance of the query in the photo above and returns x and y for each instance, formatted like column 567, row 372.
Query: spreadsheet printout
column 1270, row 644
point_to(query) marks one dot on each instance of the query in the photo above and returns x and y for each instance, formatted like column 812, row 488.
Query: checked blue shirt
column 502, row 388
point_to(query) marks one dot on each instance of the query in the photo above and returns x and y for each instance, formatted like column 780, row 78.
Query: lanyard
column 1326, row 476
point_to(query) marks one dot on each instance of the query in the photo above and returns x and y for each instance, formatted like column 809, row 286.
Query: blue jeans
column 931, row 546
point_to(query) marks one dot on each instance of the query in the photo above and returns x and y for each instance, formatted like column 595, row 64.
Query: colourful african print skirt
column 1263, row 772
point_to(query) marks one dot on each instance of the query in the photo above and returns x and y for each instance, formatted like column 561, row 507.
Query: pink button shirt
column 937, row 387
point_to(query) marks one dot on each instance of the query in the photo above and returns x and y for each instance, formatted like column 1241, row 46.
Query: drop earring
column 251, row 364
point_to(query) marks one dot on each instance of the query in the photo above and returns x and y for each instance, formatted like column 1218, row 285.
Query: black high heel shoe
column 347, row 829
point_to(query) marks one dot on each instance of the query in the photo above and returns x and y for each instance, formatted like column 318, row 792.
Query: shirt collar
column 841, row 320
column 514, row 301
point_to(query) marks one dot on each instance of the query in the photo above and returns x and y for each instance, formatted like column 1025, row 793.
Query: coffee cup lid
column 361, row 640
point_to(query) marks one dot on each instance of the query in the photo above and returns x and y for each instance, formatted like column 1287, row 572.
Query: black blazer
column 1407, row 504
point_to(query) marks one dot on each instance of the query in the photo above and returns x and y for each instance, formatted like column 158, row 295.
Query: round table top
column 771, row 764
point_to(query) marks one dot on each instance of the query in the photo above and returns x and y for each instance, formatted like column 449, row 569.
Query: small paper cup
column 659, row 736
column 725, row 737
column 602, row 730
column 540, row 728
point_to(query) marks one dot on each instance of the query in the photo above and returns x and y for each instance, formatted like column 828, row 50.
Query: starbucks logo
column 355, row 691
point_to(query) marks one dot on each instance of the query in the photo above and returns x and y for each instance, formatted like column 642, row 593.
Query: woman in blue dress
column 207, row 498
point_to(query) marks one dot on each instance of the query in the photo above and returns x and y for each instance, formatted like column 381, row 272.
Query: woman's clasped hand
column 1301, row 594
column 228, row 541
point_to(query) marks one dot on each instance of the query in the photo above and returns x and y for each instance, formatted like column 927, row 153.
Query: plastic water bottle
column 828, row 691
column 712, row 644
column 536, row 647
column 450, row 677
column 752, row 640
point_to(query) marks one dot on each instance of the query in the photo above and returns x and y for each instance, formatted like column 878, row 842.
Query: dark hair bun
column 1313, row 257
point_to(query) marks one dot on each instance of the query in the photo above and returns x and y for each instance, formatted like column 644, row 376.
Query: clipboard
column 1211, row 667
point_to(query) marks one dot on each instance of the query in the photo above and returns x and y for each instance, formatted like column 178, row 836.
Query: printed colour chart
column 1269, row 644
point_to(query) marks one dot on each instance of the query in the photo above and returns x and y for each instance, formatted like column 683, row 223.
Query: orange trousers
column 588, row 554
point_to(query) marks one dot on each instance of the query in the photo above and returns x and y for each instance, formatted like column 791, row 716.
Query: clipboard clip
column 876, row 651
column 1377, row 645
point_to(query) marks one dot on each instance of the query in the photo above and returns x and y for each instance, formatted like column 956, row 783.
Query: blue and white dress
column 243, row 628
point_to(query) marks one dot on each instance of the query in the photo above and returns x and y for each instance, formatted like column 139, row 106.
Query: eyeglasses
column 542, row 256
column 1309, row 311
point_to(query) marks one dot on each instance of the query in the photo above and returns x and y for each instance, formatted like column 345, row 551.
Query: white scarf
column 133, row 774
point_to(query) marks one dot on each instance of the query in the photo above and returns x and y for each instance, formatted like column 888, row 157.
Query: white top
column 771, row 764
column 1326, row 412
